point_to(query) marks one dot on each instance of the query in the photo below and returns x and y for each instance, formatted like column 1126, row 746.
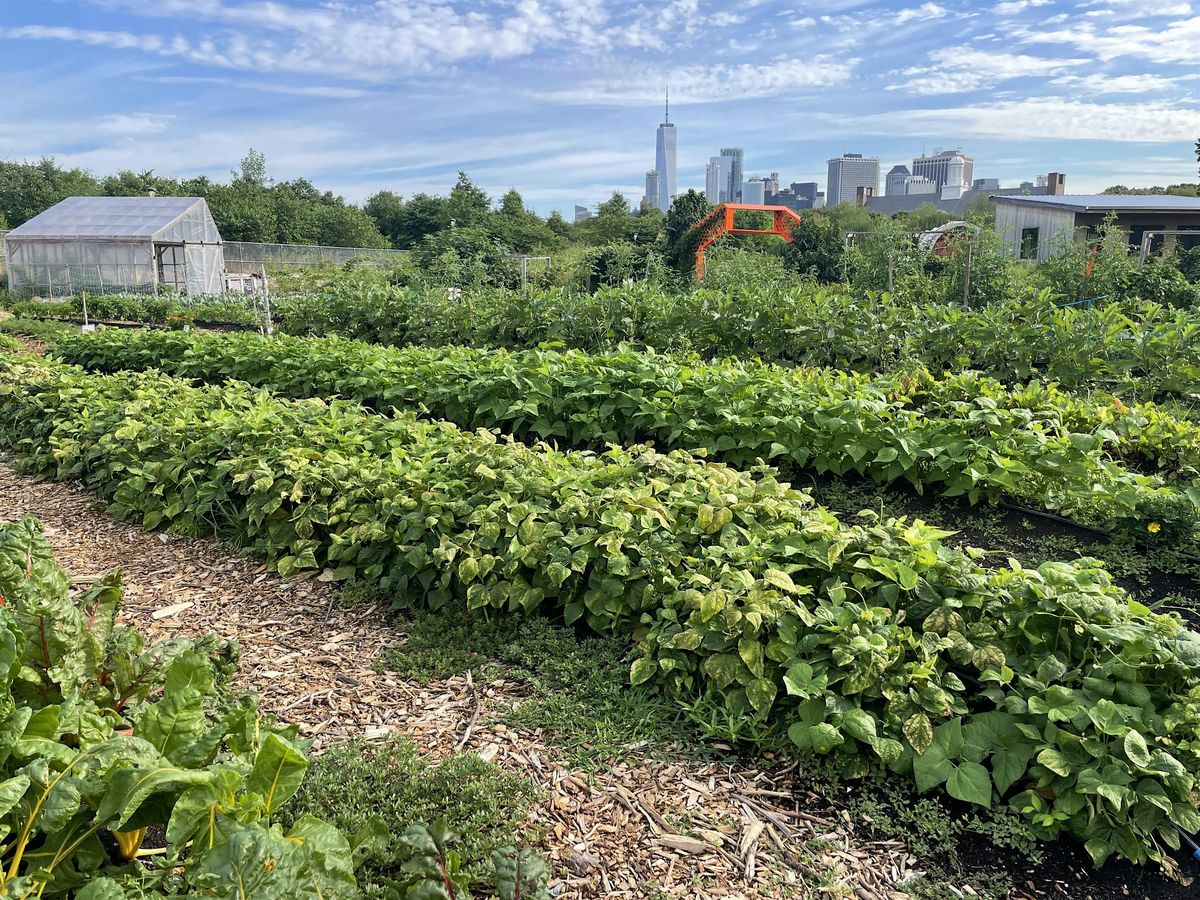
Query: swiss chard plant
column 128, row 769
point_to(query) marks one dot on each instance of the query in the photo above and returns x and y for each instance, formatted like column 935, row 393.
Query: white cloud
column 1176, row 42
column 366, row 41
column 132, row 124
column 1013, row 7
column 706, row 84
column 299, row 90
column 955, row 70
column 920, row 13
column 1100, row 83
column 1043, row 119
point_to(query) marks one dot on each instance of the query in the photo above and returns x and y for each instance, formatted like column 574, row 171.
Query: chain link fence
column 245, row 256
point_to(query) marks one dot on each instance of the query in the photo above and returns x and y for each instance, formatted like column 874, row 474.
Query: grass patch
column 579, row 694
column 484, row 805
column 38, row 329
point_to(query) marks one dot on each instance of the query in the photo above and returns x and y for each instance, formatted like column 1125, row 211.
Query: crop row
column 154, row 309
column 963, row 434
column 1142, row 348
column 1049, row 690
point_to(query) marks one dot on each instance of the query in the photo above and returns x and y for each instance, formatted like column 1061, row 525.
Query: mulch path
column 688, row 828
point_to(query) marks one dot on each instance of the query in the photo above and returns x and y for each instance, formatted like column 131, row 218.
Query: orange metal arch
column 719, row 223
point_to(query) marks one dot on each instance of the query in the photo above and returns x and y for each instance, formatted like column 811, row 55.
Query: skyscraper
column 754, row 191
column 716, row 180
column 664, row 159
column 848, row 173
column 651, row 195
column 937, row 166
column 737, row 160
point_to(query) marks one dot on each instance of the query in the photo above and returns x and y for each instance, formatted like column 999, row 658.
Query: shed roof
column 115, row 218
column 1108, row 202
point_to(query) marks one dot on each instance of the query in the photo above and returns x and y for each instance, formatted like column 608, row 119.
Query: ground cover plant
column 1141, row 349
column 960, row 434
column 1048, row 691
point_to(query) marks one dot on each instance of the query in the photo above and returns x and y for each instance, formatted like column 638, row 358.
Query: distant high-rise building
column 664, row 159
column 737, row 161
column 582, row 213
column 894, row 184
column 716, row 180
column 848, row 173
column 754, row 191
column 651, row 195
column 936, row 167
column 806, row 190
column 771, row 185
column 986, row 184
column 1056, row 184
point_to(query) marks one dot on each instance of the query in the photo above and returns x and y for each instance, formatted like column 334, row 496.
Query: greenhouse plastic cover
column 101, row 243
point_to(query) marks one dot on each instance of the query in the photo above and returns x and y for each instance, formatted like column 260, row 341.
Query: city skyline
column 558, row 98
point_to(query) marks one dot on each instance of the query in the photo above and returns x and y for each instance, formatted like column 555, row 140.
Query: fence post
column 270, row 328
column 967, row 274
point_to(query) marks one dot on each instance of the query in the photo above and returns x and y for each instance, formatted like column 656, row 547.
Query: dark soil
column 1067, row 873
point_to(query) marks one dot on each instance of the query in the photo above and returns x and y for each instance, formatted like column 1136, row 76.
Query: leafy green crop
column 157, row 309
column 1141, row 348
column 966, row 434
column 102, row 738
column 1049, row 690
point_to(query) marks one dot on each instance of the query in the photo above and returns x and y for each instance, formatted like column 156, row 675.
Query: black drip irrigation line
column 1054, row 517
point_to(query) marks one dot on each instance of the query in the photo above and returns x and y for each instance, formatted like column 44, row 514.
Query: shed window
column 1029, row 243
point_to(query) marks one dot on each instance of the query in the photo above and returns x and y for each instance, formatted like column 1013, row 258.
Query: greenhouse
column 116, row 244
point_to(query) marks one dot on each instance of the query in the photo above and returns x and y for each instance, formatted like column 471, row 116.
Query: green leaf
column 643, row 669
column 1055, row 762
column 932, row 767
column 278, row 772
column 919, row 731
column 761, row 694
column 970, row 783
column 1136, row 750
column 780, row 579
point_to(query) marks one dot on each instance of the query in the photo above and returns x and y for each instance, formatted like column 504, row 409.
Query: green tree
column 344, row 225
column 469, row 204
column 421, row 216
column 386, row 209
column 132, row 184
column 558, row 225
column 27, row 189
column 252, row 169
column 614, row 220
column 817, row 249
column 680, row 233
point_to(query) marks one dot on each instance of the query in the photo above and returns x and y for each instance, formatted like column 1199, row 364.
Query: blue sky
column 560, row 98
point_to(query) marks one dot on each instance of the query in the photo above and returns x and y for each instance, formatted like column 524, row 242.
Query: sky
column 560, row 98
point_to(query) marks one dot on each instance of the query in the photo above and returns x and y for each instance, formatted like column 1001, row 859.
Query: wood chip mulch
column 688, row 829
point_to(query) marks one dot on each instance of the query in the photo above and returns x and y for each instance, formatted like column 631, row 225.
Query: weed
column 486, row 806
column 580, row 697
